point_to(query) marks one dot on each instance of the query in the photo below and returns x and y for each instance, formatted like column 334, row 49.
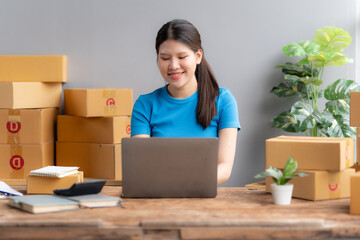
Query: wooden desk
column 235, row 213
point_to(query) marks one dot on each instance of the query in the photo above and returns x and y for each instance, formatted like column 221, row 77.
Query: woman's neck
column 183, row 92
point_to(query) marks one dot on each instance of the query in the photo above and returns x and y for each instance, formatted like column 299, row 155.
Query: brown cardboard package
column 355, row 195
column 320, row 185
column 15, row 95
column 311, row 153
column 27, row 126
column 33, row 68
column 98, row 102
column 17, row 160
column 46, row 185
column 355, row 109
column 92, row 130
column 95, row 160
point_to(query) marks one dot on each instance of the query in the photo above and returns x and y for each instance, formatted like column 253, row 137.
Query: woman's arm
column 227, row 147
column 141, row 136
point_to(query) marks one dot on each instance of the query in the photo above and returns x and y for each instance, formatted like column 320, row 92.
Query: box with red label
column 98, row 102
column 320, row 185
column 92, row 130
column 311, row 153
column 355, row 109
column 47, row 185
column 17, row 160
column 33, row 68
column 355, row 195
column 95, row 160
column 16, row 95
column 27, row 126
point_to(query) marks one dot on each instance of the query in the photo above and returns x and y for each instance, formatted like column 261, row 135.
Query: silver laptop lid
column 169, row 167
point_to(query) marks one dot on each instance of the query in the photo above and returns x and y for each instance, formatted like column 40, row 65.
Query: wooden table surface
column 234, row 214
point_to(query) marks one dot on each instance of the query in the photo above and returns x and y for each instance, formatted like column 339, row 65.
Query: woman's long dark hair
column 208, row 89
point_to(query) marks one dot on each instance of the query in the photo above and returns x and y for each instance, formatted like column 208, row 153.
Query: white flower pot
column 282, row 193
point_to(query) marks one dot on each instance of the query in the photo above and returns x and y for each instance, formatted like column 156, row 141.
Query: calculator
column 82, row 188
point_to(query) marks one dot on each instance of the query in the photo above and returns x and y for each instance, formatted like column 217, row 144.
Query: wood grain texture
column 234, row 214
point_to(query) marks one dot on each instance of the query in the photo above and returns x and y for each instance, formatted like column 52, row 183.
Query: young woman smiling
column 191, row 104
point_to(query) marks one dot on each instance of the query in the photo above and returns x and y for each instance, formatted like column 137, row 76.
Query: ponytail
column 208, row 90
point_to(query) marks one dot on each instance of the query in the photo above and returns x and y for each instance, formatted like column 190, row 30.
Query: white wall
column 111, row 44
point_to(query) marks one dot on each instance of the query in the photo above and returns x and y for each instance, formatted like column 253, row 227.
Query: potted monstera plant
column 303, row 80
column 282, row 190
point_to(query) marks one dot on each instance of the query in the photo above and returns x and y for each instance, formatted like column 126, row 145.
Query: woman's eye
column 183, row 57
column 165, row 59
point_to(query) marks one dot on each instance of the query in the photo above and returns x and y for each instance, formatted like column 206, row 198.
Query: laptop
column 169, row 167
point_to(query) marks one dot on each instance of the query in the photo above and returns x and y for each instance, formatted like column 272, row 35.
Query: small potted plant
column 281, row 189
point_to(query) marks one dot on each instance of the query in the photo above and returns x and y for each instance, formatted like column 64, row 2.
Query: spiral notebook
column 54, row 171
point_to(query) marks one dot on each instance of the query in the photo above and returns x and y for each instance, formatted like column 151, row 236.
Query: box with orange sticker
column 95, row 160
column 311, row 153
column 27, row 126
column 46, row 185
column 17, row 160
column 98, row 102
column 17, row 95
column 33, row 68
column 355, row 195
column 320, row 185
column 93, row 130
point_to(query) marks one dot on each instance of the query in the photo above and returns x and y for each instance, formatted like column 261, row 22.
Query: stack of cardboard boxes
column 355, row 181
column 90, row 132
column 326, row 161
column 30, row 99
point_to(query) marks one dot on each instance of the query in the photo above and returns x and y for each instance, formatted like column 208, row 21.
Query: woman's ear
column 198, row 55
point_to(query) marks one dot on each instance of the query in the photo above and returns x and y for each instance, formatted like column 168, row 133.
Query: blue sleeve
column 140, row 117
column 228, row 111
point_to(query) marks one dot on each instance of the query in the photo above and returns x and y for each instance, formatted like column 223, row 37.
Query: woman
column 191, row 104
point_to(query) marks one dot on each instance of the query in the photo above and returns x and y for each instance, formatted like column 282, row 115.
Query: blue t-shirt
column 160, row 115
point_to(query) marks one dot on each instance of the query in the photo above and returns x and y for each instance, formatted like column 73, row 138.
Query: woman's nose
column 174, row 64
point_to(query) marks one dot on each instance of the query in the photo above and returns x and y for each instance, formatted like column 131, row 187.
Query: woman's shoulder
column 152, row 95
column 224, row 93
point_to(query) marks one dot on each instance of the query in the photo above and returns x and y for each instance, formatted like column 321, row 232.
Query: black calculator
column 82, row 188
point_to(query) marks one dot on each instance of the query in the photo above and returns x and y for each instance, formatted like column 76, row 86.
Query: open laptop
column 169, row 167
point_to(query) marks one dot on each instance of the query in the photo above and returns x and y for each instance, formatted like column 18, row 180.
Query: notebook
column 54, row 171
column 169, row 167
column 54, row 203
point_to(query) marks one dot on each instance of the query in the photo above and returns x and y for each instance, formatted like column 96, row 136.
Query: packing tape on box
column 334, row 185
column 347, row 154
column 13, row 126
column 110, row 105
column 16, row 162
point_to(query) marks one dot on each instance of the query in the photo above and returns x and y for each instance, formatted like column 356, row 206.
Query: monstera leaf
column 332, row 39
column 302, row 48
column 298, row 70
column 340, row 89
column 335, row 125
column 324, row 59
column 305, row 116
column 284, row 121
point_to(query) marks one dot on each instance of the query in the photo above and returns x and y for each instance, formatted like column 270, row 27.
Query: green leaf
column 310, row 47
column 294, row 49
column 304, row 116
column 284, row 121
column 290, row 167
column 297, row 70
column 332, row 39
column 324, row 59
column 335, row 125
column 338, row 107
column 340, row 89
column 283, row 90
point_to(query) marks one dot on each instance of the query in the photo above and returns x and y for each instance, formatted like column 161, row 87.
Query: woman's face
column 177, row 63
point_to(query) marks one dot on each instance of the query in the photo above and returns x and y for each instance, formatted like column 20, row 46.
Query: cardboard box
column 15, row 95
column 98, row 102
column 311, row 153
column 355, row 195
column 17, row 68
column 95, row 160
column 93, row 130
column 17, row 160
column 355, row 109
column 320, row 185
column 27, row 126
column 47, row 185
